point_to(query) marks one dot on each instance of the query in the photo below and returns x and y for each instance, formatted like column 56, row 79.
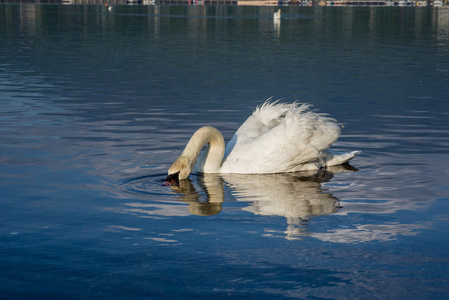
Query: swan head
column 180, row 169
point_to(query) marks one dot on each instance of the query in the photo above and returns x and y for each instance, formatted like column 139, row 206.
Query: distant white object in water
column 277, row 15
column 276, row 138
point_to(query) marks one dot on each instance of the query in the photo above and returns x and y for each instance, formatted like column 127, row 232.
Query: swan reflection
column 295, row 196
column 212, row 185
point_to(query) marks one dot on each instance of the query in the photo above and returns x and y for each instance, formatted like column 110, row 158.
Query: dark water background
column 95, row 105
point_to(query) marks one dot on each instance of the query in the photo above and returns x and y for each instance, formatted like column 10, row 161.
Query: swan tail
column 339, row 159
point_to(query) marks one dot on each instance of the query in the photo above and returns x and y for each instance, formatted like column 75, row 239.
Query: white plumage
column 277, row 15
column 276, row 138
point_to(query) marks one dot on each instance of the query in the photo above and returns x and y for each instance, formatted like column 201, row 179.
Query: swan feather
column 276, row 138
column 280, row 137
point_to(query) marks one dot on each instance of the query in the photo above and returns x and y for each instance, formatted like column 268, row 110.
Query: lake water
column 95, row 105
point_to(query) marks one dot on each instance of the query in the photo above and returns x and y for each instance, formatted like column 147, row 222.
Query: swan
column 277, row 15
column 276, row 138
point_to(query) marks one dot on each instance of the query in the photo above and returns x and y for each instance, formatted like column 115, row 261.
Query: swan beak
column 172, row 178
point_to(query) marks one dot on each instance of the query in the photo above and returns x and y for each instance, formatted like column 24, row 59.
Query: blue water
column 95, row 105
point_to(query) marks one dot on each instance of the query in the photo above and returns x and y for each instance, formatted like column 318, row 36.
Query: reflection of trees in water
column 295, row 196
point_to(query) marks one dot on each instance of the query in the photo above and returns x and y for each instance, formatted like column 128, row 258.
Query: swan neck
column 211, row 161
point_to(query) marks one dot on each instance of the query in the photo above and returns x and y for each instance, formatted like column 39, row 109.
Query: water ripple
column 144, row 186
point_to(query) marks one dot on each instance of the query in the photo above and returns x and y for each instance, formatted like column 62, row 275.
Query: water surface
column 95, row 105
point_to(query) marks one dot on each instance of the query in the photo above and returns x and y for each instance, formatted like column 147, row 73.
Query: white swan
column 277, row 15
column 276, row 138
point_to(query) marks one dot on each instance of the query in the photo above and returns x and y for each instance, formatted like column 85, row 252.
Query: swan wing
column 264, row 118
column 280, row 137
